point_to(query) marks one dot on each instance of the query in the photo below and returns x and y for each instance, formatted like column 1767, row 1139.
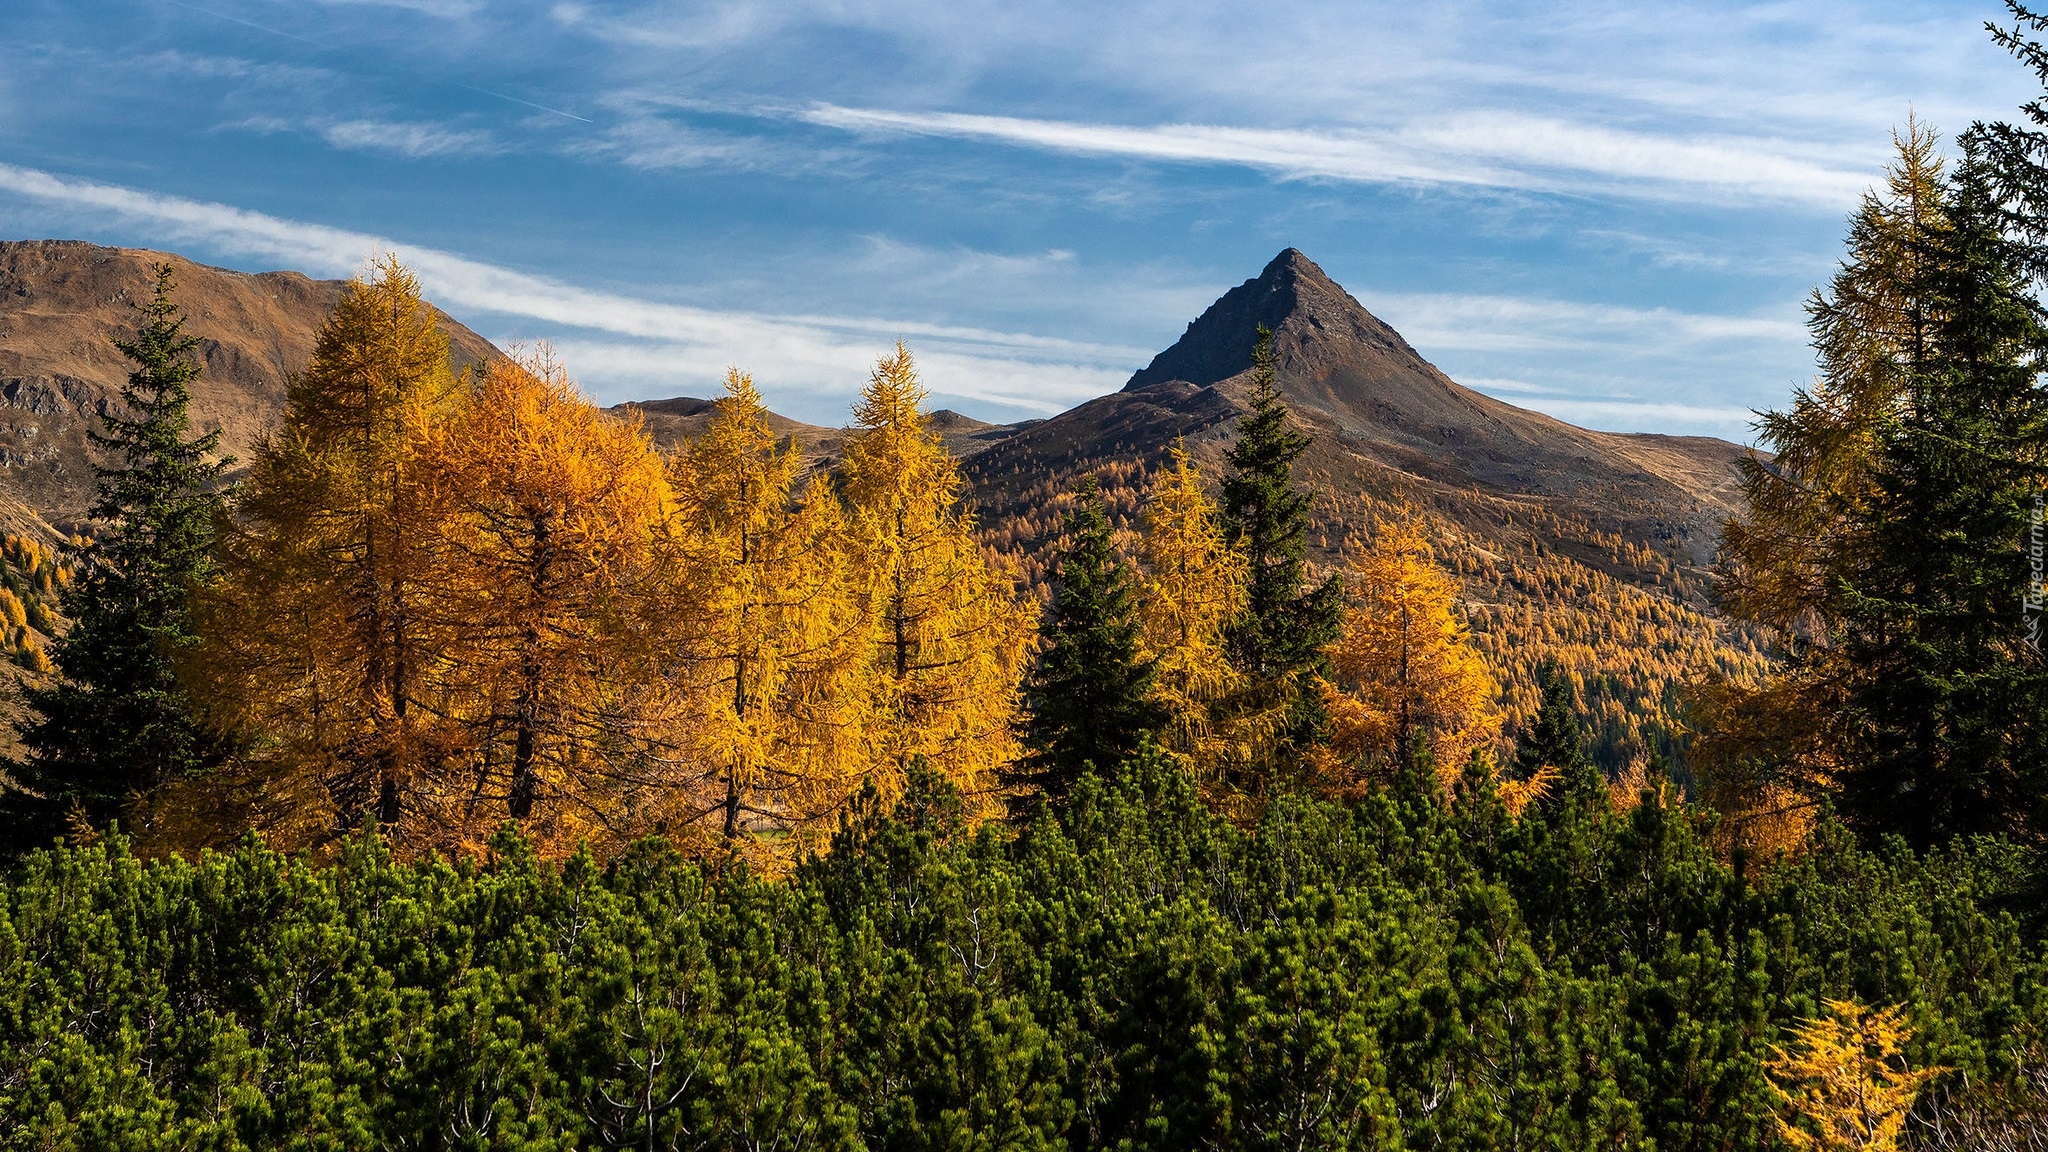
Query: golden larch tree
column 1871, row 327
column 1844, row 1082
column 947, row 632
column 1194, row 588
column 1771, row 746
column 770, row 636
column 1405, row 666
column 544, row 514
column 312, row 641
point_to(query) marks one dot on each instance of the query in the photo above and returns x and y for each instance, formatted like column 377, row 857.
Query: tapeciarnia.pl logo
column 2037, row 575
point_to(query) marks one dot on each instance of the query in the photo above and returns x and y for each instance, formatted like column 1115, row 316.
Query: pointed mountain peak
column 1293, row 264
column 1292, row 296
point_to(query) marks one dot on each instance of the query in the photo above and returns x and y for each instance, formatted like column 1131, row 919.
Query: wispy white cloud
column 1492, row 385
column 414, row 140
column 652, row 343
column 1508, row 323
column 640, row 135
column 700, row 27
column 408, row 139
column 444, row 9
column 1489, row 149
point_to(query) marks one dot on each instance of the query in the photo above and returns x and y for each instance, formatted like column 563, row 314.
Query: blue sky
column 1611, row 212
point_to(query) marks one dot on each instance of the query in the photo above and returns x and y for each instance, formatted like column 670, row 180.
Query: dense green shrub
column 1128, row 972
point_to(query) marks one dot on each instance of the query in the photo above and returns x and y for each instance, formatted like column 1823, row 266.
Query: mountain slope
column 1588, row 548
column 1340, row 364
column 1374, row 402
column 675, row 421
column 63, row 303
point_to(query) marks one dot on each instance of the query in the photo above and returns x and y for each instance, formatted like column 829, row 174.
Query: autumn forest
column 463, row 767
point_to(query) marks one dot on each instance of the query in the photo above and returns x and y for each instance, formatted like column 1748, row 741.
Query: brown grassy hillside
column 62, row 305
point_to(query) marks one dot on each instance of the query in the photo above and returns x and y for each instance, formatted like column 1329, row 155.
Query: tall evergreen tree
column 1090, row 696
column 768, row 626
column 1551, row 749
column 116, row 722
column 1280, row 642
column 1947, row 698
column 1888, row 539
column 543, row 515
column 2016, row 155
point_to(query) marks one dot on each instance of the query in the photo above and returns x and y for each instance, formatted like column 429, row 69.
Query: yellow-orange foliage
column 1869, row 327
column 542, row 515
column 313, row 639
column 1844, row 1082
column 947, row 633
column 1405, row 665
column 1194, row 586
column 1517, row 795
column 1761, row 753
column 33, row 657
column 1635, row 783
column 771, row 638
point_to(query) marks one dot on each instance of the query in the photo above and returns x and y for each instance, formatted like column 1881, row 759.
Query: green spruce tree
column 1947, row 694
column 1551, row 744
column 1280, row 642
column 115, row 721
column 1559, row 852
column 1089, row 699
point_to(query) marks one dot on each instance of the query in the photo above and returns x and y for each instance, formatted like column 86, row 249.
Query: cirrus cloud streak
column 1478, row 149
column 664, row 344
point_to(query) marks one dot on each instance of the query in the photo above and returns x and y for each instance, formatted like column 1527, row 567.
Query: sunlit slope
column 63, row 303
column 1588, row 548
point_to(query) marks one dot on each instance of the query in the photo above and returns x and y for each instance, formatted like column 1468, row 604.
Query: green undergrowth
column 1129, row 972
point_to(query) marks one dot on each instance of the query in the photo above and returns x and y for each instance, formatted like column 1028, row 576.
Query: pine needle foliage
column 542, row 516
column 1887, row 542
column 1945, row 687
column 1089, row 699
column 1194, row 588
column 1405, row 670
column 1550, row 758
column 947, row 634
column 1129, row 970
column 116, row 722
column 315, row 640
column 1280, row 641
column 1870, row 329
column 770, row 637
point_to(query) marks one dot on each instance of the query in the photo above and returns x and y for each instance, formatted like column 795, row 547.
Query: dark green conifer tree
column 115, row 721
column 1559, row 851
column 1089, row 699
column 1552, row 740
column 1947, row 690
column 1281, row 640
